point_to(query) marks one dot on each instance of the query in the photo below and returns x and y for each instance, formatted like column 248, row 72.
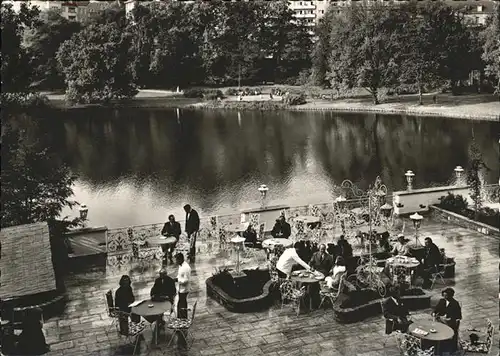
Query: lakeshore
column 473, row 107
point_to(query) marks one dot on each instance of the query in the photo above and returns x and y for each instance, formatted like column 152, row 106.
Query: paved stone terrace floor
column 83, row 329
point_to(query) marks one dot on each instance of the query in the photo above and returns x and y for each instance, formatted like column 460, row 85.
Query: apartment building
column 71, row 10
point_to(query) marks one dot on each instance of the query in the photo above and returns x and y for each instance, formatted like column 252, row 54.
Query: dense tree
column 321, row 49
column 491, row 48
column 96, row 65
column 16, row 70
column 421, row 54
column 43, row 44
column 365, row 48
column 36, row 185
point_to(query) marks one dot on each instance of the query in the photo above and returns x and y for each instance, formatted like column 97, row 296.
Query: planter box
column 460, row 220
column 247, row 305
column 372, row 308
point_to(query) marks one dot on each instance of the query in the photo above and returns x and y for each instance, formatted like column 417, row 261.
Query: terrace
column 83, row 328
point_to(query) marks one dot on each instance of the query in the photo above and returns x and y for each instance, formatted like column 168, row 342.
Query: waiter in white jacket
column 288, row 259
column 183, row 275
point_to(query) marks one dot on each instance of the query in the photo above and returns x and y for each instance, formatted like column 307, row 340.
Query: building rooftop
column 84, row 329
column 26, row 261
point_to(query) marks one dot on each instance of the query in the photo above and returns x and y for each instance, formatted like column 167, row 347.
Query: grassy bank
column 472, row 106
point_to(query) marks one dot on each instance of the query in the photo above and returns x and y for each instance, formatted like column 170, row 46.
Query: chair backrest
column 262, row 231
column 254, row 219
column 213, row 223
column 489, row 334
column 194, row 311
column 286, row 288
column 409, row 345
column 135, row 250
column 300, row 226
column 109, row 300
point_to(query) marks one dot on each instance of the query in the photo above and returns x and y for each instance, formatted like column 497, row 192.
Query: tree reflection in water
column 136, row 165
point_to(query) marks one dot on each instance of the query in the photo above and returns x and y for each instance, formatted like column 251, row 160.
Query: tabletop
column 161, row 240
column 359, row 211
column 158, row 308
column 306, row 277
column 443, row 332
column 236, row 228
column 308, row 219
column 365, row 229
column 270, row 243
column 237, row 240
column 409, row 263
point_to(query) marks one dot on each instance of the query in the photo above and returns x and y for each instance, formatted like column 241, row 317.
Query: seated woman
column 337, row 271
column 32, row 341
column 250, row 236
column 124, row 296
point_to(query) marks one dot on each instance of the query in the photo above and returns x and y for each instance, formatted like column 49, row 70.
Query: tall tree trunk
column 374, row 92
column 420, row 101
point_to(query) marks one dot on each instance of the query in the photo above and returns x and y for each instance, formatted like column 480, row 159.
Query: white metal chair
column 483, row 346
column 290, row 293
column 129, row 329
column 110, row 307
column 410, row 346
column 331, row 294
column 182, row 326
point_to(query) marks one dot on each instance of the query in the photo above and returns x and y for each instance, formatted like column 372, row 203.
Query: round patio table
column 152, row 314
column 443, row 333
column 271, row 243
column 236, row 228
column 308, row 219
column 406, row 266
column 161, row 240
column 379, row 230
column 310, row 280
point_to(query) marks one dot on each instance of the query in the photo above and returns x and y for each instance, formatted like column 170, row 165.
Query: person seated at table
column 321, row 260
column 31, row 341
column 395, row 313
column 449, row 312
column 250, row 236
column 124, row 296
column 337, row 271
column 333, row 250
column 171, row 229
column 344, row 247
column 288, row 259
column 281, row 229
column 164, row 288
column 431, row 261
column 384, row 244
column 401, row 248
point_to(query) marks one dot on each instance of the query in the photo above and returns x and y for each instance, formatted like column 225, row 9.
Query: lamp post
column 417, row 220
column 409, row 179
column 458, row 174
column 238, row 242
column 263, row 189
column 83, row 213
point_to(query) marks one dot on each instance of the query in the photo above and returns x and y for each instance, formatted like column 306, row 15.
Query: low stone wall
column 247, row 305
column 373, row 308
column 460, row 220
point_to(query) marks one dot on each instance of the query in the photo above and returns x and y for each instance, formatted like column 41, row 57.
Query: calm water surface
column 135, row 166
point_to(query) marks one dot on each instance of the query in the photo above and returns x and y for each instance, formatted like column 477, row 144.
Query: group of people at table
column 163, row 289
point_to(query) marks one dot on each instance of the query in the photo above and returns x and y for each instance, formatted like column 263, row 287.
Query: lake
column 136, row 166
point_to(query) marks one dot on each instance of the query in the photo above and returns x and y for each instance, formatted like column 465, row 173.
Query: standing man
column 192, row 228
column 182, row 279
column 282, row 229
column 449, row 312
column 171, row 229
column 288, row 259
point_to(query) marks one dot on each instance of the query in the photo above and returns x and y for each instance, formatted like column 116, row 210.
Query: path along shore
column 474, row 107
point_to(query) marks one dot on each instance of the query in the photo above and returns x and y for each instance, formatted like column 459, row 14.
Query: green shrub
column 23, row 100
column 454, row 203
column 213, row 94
column 193, row 93
column 231, row 92
column 294, row 99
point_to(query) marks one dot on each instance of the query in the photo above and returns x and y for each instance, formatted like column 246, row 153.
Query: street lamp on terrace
column 83, row 212
column 417, row 220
